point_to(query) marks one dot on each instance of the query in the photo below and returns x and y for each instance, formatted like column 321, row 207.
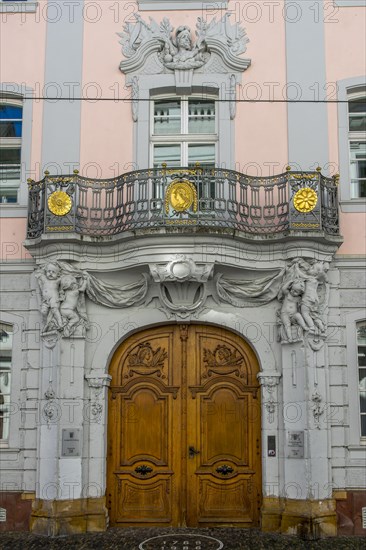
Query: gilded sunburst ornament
column 59, row 203
column 305, row 200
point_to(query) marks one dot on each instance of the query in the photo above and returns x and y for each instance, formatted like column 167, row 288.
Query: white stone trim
column 12, row 88
column 170, row 5
column 350, row 3
column 345, row 87
column 18, row 7
column 351, row 350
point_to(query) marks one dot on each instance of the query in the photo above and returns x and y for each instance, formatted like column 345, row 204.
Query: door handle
column 192, row 452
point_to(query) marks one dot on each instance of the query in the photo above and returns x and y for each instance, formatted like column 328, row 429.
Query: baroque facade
column 183, row 317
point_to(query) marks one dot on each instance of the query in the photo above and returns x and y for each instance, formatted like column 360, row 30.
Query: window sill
column 11, row 210
column 353, row 205
column 18, row 7
column 350, row 3
column 169, row 5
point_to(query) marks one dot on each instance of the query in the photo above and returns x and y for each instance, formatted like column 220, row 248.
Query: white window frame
column 347, row 88
column 5, row 408
column 355, row 439
column 21, row 6
column 12, row 143
column 184, row 138
column 21, row 91
column 361, row 414
column 354, row 136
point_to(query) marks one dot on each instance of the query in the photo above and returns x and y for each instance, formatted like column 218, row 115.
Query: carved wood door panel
column 184, row 430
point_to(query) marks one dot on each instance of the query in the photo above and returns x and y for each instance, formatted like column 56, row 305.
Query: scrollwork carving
column 145, row 360
column 177, row 50
column 223, row 360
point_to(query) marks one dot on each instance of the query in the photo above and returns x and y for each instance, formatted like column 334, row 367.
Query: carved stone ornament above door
column 181, row 283
column 217, row 46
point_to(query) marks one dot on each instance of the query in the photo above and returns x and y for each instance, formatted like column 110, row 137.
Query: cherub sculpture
column 316, row 274
column 72, row 306
column 290, row 295
column 49, row 282
column 62, row 299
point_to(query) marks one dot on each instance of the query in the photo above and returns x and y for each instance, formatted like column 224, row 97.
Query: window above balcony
column 183, row 131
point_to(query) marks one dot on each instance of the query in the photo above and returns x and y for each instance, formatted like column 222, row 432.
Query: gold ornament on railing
column 305, row 200
column 181, row 195
column 59, row 203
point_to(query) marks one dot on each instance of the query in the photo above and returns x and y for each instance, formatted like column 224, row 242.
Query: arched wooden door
column 184, row 430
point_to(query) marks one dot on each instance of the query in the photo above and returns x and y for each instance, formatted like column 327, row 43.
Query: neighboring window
column 361, row 359
column 6, row 342
column 357, row 145
column 11, row 117
column 184, row 132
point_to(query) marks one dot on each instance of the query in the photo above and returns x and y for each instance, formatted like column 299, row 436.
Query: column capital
column 98, row 380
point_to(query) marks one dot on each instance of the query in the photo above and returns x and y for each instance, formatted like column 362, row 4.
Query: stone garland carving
column 250, row 292
column 304, row 295
column 63, row 290
column 177, row 50
column 50, row 409
column 317, row 408
column 269, row 383
column 96, row 385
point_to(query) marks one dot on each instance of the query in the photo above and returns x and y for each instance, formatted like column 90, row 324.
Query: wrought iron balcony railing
column 191, row 197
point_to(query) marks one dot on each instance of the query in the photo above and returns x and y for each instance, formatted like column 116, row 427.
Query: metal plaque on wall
column 71, row 443
column 295, row 444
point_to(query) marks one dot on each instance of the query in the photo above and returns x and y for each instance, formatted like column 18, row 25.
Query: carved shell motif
column 223, row 360
column 146, row 360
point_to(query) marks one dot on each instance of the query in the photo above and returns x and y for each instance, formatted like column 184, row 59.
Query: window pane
column 9, row 156
column 363, row 402
column 204, row 153
column 357, row 105
column 10, row 112
column 167, row 117
column 167, row 153
column 9, row 196
column 201, row 117
column 363, row 425
column 10, row 128
column 358, row 169
column 357, row 123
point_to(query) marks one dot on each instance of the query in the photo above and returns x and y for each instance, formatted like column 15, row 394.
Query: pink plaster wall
column 22, row 60
column 345, row 29
column 107, row 126
column 12, row 234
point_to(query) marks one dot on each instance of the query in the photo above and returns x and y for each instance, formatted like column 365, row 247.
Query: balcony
column 185, row 199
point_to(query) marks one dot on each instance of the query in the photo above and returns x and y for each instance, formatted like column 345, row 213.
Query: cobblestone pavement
column 177, row 539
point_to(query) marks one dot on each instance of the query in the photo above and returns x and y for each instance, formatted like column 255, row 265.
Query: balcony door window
column 357, row 145
column 184, row 132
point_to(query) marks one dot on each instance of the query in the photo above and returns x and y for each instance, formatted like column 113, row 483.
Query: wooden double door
column 184, row 430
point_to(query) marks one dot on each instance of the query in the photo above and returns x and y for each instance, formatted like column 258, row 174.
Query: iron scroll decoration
column 224, row 470
column 143, row 470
